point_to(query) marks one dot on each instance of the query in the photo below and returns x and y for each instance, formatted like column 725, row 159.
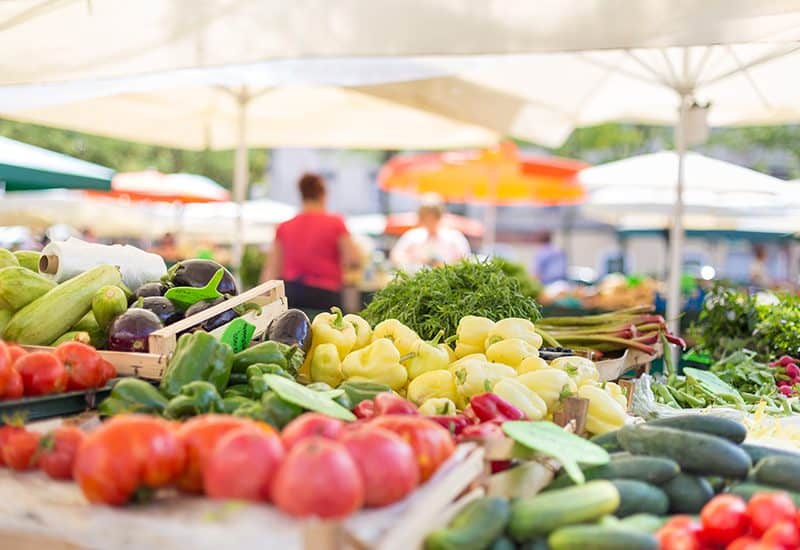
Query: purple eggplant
column 165, row 310
column 291, row 328
column 130, row 330
column 197, row 274
column 214, row 322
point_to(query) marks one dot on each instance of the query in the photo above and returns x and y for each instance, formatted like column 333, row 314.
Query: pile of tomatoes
column 318, row 466
column 70, row 366
column 769, row 521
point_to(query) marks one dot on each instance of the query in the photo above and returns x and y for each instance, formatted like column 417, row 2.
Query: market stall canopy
column 647, row 183
column 26, row 167
column 152, row 185
column 76, row 39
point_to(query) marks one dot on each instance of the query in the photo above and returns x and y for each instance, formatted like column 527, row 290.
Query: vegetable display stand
column 49, row 406
column 270, row 297
column 632, row 359
column 36, row 512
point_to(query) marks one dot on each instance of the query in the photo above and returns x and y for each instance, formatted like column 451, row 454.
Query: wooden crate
column 270, row 296
column 632, row 359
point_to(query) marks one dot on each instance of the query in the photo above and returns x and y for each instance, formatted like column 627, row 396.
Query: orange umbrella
column 397, row 224
column 498, row 176
column 152, row 185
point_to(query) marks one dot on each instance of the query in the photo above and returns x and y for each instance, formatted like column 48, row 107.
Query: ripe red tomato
column 724, row 519
column 766, row 509
column 390, row 403
column 57, row 451
column 683, row 521
column 199, row 436
column 42, row 373
column 83, row 364
column 318, row 478
column 310, row 424
column 16, row 352
column 126, row 457
column 6, row 368
column 783, row 534
column 6, row 431
column 14, row 387
column 375, row 452
column 745, row 543
column 109, row 371
column 19, row 450
column 243, row 464
column 677, row 538
column 432, row 444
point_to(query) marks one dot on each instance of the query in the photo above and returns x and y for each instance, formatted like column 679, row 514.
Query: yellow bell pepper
column 513, row 327
column 329, row 328
column 511, row 352
column 471, row 335
column 522, row 397
column 326, row 365
column 362, row 328
column 580, row 369
column 431, row 384
column 605, row 414
column 403, row 338
column 474, row 375
column 615, row 390
column 532, row 364
column 438, row 406
column 427, row 356
column 549, row 384
column 378, row 362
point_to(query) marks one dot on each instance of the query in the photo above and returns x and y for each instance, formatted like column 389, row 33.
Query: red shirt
column 310, row 246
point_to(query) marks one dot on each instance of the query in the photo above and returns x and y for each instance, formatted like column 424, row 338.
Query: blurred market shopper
column 430, row 244
column 311, row 251
column 550, row 262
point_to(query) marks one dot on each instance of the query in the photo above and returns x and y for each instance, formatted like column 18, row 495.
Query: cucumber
column 687, row 493
column 502, row 543
column 695, row 453
column 747, row 490
column 51, row 315
column 5, row 317
column 608, row 441
column 474, row 528
column 87, row 323
column 107, row 303
column 535, row 544
column 646, row 523
column 537, row 516
column 757, row 452
column 20, row 286
column 726, row 428
column 650, row 469
column 7, row 258
column 778, row 471
column 29, row 259
column 640, row 497
column 597, row 537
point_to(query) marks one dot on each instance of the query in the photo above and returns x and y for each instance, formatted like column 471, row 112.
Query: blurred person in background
column 430, row 244
column 311, row 251
column 550, row 262
column 759, row 273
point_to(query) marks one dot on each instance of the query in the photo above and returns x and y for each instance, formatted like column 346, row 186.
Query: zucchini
column 639, row 497
column 757, row 452
column 107, row 303
column 29, row 259
column 5, row 317
column 474, row 528
column 7, row 258
column 51, row 315
column 608, row 441
column 650, row 469
column 502, row 543
column 73, row 336
column 598, row 537
column 748, row 489
column 535, row 544
column 646, row 523
column 687, row 493
column 539, row 515
column 733, row 431
column 695, row 453
column 778, row 471
column 20, row 286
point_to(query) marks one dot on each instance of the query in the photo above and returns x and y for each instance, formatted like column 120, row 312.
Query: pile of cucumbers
column 666, row 466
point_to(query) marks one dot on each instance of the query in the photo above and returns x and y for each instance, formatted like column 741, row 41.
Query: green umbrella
column 25, row 167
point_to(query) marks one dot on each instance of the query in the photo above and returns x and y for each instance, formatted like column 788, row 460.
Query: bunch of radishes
column 787, row 375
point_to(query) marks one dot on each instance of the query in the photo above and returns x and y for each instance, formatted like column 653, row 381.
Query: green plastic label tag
column 238, row 334
column 185, row 296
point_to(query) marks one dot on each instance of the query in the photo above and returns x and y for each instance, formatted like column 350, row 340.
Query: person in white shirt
column 430, row 244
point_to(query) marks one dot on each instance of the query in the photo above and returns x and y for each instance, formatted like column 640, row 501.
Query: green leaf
column 308, row 399
column 185, row 296
column 238, row 334
column 551, row 440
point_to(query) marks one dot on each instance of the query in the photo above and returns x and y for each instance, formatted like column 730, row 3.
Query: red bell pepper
column 454, row 424
column 389, row 403
column 487, row 430
column 470, row 415
column 365, row 409
column 488, row 407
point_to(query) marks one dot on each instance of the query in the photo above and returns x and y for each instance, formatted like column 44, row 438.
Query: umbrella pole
column 674, row 296
column 241, row 174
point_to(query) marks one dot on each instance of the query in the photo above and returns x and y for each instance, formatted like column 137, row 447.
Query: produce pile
column 678, row 467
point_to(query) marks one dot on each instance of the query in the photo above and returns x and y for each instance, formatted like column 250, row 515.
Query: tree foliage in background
column 127, row 156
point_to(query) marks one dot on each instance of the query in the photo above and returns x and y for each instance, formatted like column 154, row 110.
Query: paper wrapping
column 76, row 256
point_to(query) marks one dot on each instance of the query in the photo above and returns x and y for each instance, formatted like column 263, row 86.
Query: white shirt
column 417, row 248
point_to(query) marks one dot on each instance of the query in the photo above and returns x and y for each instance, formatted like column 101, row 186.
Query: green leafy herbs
column 435, row 299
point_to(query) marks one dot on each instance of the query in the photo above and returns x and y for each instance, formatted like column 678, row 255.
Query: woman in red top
column 311, row 250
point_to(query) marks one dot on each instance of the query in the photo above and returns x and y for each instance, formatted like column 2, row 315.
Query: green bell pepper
column 238, row 390
column 196, row 397
column 133, row 395
column 362, row 391
column 271, row 409
column 197, row 357
column 344, row 399
column 255, row 377
column 231, row 404
column 266, row 352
